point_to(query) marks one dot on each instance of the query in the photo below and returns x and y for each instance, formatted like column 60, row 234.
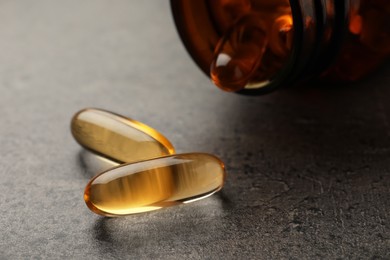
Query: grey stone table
column 308, row 169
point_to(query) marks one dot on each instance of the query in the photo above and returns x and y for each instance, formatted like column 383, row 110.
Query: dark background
column 308, row 169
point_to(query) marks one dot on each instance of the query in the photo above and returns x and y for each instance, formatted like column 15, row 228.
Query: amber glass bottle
column 254, row 46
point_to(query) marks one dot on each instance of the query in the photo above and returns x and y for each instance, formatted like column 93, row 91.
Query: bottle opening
column 256, row 42
column 240, row 44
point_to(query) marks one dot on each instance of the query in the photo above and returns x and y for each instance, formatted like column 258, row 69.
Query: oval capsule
column 118, row 138
column 239, row 53
column 154, row 184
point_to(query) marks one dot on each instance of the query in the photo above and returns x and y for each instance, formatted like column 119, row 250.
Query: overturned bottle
column 255, row 46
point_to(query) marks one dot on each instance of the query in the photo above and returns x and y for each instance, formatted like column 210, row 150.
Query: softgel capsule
column 152, row 176
column 154, row 184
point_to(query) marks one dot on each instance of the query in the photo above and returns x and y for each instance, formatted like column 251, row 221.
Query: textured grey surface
column 308, row 169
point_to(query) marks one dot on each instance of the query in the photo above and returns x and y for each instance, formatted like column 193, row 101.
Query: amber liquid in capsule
column 254, row 46
column 154, row 184
column 118, row 138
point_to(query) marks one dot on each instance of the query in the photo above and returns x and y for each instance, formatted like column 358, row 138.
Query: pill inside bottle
column 154, row 184
column 252, row 49
column 118, row 138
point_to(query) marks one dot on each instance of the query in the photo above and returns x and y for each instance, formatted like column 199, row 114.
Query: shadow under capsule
column 132, row 235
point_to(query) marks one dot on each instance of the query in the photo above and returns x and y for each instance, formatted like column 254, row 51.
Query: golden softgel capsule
column 118, row 138
column 154, row 184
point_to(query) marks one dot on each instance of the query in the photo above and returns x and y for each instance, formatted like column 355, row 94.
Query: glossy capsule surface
column 238, row 54
column 154, row 184
column 256, row 41
column 118, row 138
